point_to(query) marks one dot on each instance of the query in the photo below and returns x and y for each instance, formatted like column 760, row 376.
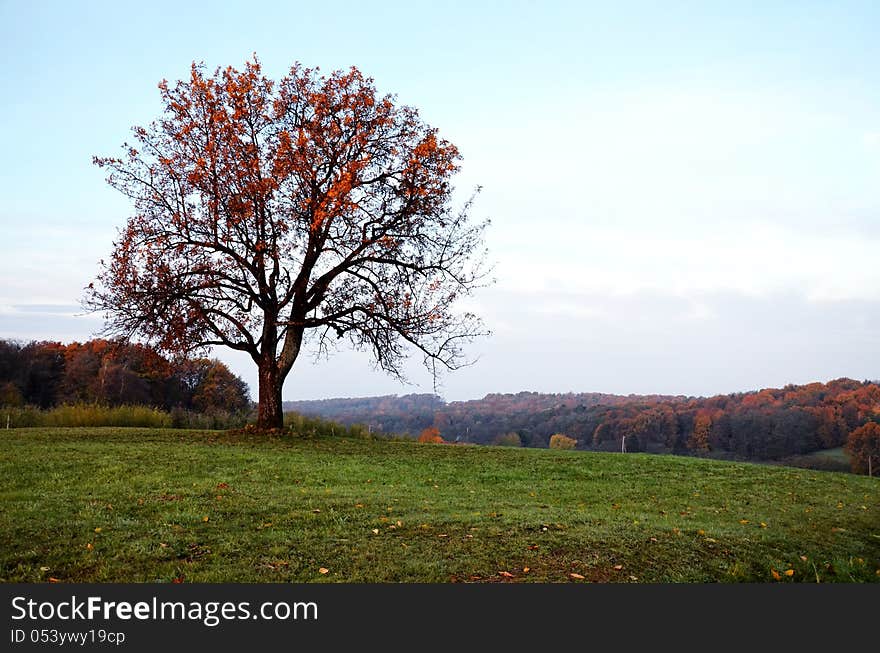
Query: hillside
column 768, row 424
column 142, row 505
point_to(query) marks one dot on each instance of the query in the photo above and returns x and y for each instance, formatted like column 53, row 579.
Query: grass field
column 829, row 460
column 144, row 505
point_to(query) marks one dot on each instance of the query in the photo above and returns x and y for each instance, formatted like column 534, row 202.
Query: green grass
column 143, row 505
column 829, row 460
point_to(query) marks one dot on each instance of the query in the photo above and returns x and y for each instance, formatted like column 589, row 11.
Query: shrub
column 303, row 425
column 91, row 414
column 559, row 441
column 431, row 435
column 508, row 440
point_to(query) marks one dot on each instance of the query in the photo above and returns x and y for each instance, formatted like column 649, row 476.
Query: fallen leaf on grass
column 89, row 546
column 617, row 567
column 98, row 529
column 323, row 570
column 775, row 574
column 789, row 572
column 375, row 531
column 533, row 547
column 506, row 574
column 743, row 521
column 53, row 580
column 205, row 518
column 576, row 576
column 526, row 570
column 45, row 568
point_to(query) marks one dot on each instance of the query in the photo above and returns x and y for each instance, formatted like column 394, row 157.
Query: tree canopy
column 266, row 213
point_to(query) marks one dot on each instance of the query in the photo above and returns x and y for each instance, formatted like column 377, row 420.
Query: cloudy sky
column 685, row 197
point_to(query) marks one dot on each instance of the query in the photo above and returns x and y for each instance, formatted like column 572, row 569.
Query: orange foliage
column 863, row 446
column 431, row 435
column 699, row 440
column 268, row 209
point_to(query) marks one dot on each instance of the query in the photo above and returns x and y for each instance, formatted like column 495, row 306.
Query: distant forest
column 113, row 373
column 761, row 425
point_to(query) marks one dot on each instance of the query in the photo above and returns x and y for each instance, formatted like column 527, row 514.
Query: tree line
column 769, row 424
column 115, row 373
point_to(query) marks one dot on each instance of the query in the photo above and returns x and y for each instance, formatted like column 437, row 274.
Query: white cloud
column 683, row 190
column 750, row 258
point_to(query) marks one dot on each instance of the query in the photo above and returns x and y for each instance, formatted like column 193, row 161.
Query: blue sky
column 685, row 196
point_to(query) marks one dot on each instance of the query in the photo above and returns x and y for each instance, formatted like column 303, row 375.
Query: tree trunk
column 269, row 413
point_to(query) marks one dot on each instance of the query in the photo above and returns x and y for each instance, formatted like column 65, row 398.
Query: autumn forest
column 113, row 373
column 769, row 424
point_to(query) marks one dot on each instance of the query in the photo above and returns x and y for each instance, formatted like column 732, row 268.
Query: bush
column 302, row 425
column 559, row 441
column 431, row 435
column 127, row 415
column 508, row 440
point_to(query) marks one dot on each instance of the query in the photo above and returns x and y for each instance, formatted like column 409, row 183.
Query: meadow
column 116, row 504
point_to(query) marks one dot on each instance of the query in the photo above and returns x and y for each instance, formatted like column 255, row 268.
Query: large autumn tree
column 266, row 213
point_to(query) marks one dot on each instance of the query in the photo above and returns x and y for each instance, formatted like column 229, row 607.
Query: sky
column 685, row 196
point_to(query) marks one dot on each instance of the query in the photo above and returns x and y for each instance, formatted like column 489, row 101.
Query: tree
column 863, row 445
column 10, row 395
column 211, row 386
column 699, row 440
column 42, row 366
column 269, row 213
